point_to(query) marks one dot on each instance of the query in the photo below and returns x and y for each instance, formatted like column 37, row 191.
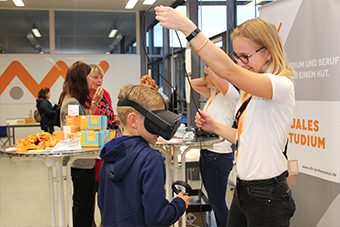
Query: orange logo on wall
column 278, row 29
column 17, row 69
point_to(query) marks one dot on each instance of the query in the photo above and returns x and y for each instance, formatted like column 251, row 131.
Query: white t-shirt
column 265, row 131
column 222, row 109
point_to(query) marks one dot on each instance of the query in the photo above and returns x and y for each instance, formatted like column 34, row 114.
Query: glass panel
column 249, row 9
column 16, row 35
column 177, row 41
column 87, row 32
column 213, row 19
column 158, row 35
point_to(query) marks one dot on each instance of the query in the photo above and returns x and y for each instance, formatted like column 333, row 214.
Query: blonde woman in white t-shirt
column 217, row 162
column 262, row 196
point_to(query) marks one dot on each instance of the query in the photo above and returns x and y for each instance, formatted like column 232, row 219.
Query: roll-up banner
column 310, row 32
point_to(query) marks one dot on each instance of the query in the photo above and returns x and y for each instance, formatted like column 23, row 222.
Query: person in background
column 101, row 100
column 132, row 177
column 217, row 162
column 46, row 110
column 76, row 92
column 262, row 196
column 101, row 105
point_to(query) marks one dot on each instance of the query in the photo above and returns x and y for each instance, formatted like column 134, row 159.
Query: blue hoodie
column 131, row 185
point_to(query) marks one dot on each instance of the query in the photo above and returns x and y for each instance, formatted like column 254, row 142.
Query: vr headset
column 159, row 122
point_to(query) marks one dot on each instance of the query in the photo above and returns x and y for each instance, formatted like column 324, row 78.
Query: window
column 16, row 34
column 88, row 32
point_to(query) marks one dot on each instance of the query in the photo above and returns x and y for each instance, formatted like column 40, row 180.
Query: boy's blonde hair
column 145, row 96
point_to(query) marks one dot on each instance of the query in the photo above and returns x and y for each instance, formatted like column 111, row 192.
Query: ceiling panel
column 76, row 28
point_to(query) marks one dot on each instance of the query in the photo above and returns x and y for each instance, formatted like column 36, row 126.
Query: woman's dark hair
column 75, row 83
column 43, row 92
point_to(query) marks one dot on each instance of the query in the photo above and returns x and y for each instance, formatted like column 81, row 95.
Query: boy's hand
column 185, row 198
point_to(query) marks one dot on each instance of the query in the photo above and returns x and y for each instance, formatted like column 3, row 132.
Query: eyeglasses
column 245, row 58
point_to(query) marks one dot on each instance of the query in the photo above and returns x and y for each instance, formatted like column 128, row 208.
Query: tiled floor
column 24, row 193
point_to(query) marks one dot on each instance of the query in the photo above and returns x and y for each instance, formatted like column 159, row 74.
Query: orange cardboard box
column 59, row 134
column 108, row 135
column 70, row 129
column 91, row 139
column 93, row 122
column 72, row 120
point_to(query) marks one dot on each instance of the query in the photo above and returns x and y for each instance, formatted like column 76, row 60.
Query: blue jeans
column 262, row 203
column 215, row 169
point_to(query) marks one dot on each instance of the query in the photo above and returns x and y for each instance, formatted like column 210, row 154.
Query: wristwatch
column 193, row 34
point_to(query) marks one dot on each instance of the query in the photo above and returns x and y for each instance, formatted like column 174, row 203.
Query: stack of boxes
column 90, row 128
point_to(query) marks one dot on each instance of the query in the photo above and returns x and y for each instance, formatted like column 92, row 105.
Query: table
column 171, row 149
column 11, row 130
column 55, row 159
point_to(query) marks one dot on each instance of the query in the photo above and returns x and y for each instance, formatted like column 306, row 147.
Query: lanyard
column 239, row 119
column 212, row 98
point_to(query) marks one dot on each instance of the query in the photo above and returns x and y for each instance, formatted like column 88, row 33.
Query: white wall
column 15, row 72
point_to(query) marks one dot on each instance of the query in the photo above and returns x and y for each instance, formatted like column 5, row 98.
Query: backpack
column 37, row 116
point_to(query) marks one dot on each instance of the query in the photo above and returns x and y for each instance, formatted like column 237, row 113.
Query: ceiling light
column 18, row 3
column 117, row 40
column 130, row 4
column 148, row 2
column 35, row 31
column 33, row 41
column 113, row 32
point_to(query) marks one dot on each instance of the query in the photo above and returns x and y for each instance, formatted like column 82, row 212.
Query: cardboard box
column 59, row 134
column 69, row 130
column 91, row 139
column 108, row 135
column 73, row 120
column 93, row 122
column 30, row 121
column 15, row 121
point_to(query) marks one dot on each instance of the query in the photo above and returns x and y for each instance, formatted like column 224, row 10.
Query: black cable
column 174, row 90
column 185, row 70
column 198, row 137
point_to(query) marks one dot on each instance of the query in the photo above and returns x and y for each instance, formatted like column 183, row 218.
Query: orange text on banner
column 305, row 139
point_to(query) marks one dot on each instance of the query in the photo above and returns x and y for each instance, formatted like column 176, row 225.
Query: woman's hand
column 98, row 96
column 173, row 19
column 204, row 121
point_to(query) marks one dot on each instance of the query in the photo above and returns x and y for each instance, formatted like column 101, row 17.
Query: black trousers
column 83, row 193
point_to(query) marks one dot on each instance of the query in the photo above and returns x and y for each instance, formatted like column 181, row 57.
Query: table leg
column 168, row 179
column 60, row 193
column 177, row 152
column 69, row 192
column 50, row 182
column 13, row 135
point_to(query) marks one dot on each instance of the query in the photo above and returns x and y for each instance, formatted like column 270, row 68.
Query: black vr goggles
column 159, row 122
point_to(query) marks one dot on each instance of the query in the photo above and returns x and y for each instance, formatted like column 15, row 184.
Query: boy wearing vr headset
column 132, row 177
